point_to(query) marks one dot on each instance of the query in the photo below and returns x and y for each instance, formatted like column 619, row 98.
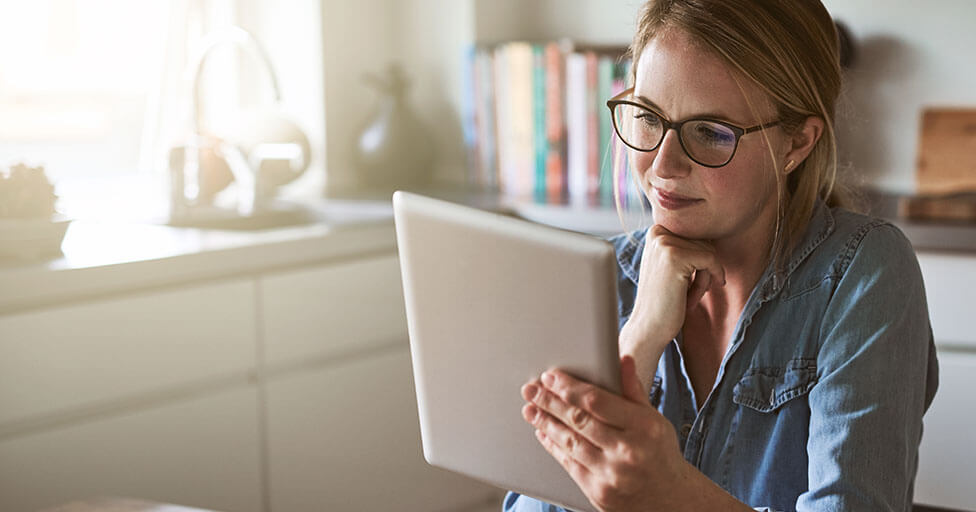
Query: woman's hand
column 675, row 272
column 674, row 275
column 621, row 452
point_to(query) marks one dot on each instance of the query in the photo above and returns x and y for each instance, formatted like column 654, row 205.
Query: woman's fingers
column 590, row 424
column 688, row 255
column 570, row 442
column 699, row 285
column 674, row 273
column 584, row 400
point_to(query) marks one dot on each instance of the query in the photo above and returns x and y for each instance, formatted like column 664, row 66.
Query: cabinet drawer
column 332, row 309
column 948, row 449
column 73, row 357
column 347, row 437
column 950, row 287
column 201, row 452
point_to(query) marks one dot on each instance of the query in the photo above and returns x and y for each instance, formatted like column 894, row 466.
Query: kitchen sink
column 283, row 214
column 277, row 216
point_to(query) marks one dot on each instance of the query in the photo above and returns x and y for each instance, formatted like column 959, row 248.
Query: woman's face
column 680, row 80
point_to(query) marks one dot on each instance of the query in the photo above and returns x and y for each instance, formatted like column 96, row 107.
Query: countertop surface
column 105, row 258
column 101, row 258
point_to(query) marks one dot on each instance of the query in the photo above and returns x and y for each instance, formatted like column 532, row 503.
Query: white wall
column 358, row 37
column 911, row 55
column 434, row 35
column 427, row 37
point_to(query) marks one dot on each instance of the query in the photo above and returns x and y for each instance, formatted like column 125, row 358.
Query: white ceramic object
column 26, row 239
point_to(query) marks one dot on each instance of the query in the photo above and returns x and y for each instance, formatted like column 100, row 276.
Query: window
column 96, row 91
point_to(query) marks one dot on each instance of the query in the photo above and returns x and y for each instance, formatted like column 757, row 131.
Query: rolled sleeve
column 515, row 502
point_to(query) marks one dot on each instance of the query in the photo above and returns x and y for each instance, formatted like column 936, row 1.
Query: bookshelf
column 604, row 26
column 429, row 38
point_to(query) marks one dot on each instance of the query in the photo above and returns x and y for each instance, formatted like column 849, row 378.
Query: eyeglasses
column 709, row 142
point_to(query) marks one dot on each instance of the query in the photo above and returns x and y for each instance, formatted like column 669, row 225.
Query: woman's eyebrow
column 709, row 115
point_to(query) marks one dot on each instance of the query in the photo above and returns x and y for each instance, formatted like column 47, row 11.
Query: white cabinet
column 331, row 310
column 946, row 472
column 950, row 285
column 145, row 395
column 199, row 452
column 347, row 437
column 343, row 431
column 291, row 388
column 69, row 359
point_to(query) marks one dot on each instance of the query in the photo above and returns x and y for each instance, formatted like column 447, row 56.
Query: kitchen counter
column 924, row 235
column 105, row 258
column 102, row 258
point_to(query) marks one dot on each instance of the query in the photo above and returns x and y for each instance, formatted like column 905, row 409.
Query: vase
column 394, row 149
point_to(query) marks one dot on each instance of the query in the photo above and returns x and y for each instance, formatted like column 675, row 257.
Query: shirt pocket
column 767, row 388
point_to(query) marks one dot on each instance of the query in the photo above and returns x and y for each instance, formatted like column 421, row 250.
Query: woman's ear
column 802, row 142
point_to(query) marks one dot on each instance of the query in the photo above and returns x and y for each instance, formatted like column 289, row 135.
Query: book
column 592, row 130
column 486, row 167
column 539, row 114
column 535, row 121
column 576, row 146
column 504, row 161
column 521, row 118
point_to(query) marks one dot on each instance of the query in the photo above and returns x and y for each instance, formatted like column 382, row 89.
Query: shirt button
column 685, row 429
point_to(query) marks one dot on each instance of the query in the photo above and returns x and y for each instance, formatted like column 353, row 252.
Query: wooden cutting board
column 947, row 152
column 952, row 208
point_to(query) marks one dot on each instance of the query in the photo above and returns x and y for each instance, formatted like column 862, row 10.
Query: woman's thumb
column 630, row 384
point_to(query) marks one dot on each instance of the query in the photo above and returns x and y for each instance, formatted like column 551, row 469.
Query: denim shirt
column 818, row 402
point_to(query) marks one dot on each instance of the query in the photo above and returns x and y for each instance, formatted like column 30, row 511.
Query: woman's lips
column 672, row 201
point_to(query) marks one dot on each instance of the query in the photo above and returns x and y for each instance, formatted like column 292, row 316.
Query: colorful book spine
column 555, row 167
column 605, row 74
column 505, row 159
column 576, row 138
column 539, row 121
column 522, row 118
column 487, row 168
column 592, row 131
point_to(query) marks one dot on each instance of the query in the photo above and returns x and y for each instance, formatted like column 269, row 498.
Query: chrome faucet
column 250, row 170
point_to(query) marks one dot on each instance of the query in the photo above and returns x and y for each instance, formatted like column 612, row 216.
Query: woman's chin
column 681, row 226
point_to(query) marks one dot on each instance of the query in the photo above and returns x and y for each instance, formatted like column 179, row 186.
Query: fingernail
column 548, row 378
column 530, row 412
column 529, row 391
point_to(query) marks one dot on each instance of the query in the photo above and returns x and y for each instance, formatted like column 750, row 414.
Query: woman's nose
column 670, row 160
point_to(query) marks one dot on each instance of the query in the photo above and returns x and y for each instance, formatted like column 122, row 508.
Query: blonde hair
column 790, row 50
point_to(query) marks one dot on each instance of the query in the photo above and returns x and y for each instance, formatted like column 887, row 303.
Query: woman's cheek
column 641, row 166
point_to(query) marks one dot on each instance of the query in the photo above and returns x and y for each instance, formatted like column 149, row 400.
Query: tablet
column 492, row 301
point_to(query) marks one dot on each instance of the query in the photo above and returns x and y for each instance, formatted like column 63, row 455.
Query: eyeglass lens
column 706, row 142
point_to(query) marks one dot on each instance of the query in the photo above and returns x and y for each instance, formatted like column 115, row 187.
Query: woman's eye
column 713, row 134
column 648, row 118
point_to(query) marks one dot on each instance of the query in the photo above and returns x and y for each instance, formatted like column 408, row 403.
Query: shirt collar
column 820, row 226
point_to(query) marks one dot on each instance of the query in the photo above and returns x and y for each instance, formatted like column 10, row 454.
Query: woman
column 776, row 348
